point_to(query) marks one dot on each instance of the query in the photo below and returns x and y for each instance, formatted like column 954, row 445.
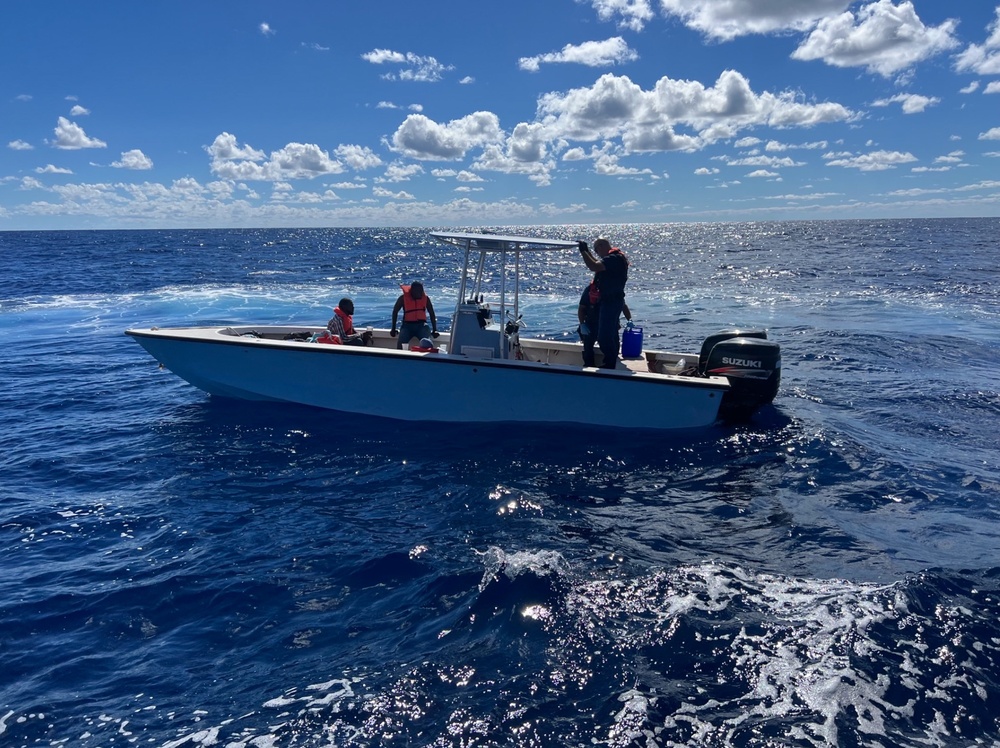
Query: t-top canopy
column 500, row 243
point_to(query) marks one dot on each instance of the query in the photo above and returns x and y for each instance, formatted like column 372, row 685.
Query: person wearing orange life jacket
column 416, row 306
column 341, row 324
column 588, row 313
column 611, row 272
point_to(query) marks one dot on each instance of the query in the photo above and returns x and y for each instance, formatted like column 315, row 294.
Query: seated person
column 416, row 305
column 341, row 324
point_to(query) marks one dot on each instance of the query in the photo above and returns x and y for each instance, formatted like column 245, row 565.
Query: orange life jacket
column 414, row 310
column 346, row 319
column 595, row 293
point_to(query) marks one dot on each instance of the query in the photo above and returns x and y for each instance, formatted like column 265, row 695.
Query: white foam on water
column 794, row 659
column 513, row 565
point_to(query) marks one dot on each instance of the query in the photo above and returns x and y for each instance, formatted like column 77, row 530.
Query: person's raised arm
column 593, row 263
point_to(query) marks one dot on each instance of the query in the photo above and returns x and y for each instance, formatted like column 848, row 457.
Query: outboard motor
column 712, row 340
column 750, row 362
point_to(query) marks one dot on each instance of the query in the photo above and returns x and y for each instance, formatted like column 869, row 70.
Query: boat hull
column 411, row 386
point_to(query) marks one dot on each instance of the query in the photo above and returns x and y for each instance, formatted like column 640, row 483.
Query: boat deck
column 637, row 364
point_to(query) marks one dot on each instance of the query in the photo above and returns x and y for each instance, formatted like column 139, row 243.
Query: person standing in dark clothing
column 588, row 313
column 611, row 273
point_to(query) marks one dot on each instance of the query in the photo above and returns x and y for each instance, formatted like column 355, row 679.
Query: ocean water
column 179, row 570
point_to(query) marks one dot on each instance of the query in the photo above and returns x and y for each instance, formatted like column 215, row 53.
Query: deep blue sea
column 178, row 570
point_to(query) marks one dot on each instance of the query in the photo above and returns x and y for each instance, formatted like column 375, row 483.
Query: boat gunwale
column 720, row 384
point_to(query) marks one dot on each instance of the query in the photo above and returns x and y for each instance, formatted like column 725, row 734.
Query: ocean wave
column 706, row 654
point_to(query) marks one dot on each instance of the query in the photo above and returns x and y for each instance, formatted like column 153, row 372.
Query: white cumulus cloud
column 912, row 103
column 728, row 19
column 648, row 119
column 294, row 161
column 226, row 148
column 358, row 157
column 422, row 138
column 70, row 136
column 630, row 14
column 983, row 59
column 134, row 159
column 414, row 67
column 883, row 37
column 52, row 169
column 401, row 195
column 614, row 51
column 400, row 172
column 874, row 161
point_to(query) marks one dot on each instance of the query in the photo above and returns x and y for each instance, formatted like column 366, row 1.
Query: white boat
column 482, row 371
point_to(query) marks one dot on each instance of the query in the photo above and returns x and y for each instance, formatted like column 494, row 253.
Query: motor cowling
column 713, row 340
column 753, row 367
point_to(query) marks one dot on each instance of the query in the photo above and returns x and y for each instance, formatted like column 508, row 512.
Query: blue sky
column 154, row 114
